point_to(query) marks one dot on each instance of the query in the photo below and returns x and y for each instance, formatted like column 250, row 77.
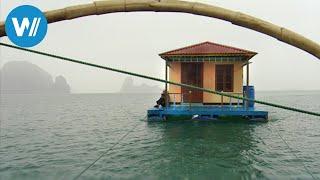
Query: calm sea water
column 56, row 137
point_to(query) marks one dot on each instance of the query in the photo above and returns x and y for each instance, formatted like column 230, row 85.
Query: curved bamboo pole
column 237, row 18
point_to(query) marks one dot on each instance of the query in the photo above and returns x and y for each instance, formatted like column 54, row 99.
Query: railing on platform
column 179, row 97
column 231, row 102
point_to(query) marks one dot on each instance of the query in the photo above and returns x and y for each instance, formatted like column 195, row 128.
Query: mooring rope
column 161, row 80
column 292, row 151
column 109, row 149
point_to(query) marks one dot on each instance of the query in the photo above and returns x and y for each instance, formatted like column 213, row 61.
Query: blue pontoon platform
column 207, row 113
column 207, row 84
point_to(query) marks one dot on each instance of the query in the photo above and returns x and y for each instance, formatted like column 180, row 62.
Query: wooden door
column 192, row 74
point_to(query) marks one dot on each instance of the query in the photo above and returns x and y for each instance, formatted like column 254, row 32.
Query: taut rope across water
column 108, row 150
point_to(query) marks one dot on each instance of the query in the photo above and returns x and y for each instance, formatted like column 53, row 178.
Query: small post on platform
column 166, row 85
column 166, row 76
column 222, row 99
column 189, row 98
column 247, row 88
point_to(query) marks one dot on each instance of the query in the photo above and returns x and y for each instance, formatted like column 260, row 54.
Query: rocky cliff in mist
column 24, row 77
column 129, row 87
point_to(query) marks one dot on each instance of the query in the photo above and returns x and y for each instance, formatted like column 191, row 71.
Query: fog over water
column 132, row 41
column 22, row 77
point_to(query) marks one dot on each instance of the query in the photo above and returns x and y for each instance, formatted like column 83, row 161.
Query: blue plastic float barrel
column 251, row 94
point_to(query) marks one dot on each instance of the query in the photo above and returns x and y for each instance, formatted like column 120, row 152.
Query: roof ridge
column 186, row 47
column 210, row 43
column 231, row 47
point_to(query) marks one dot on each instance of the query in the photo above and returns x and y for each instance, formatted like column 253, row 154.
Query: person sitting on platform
column 163, row 100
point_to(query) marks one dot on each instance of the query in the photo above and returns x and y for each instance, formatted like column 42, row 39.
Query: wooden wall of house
column 209, row 81
column 175, row 76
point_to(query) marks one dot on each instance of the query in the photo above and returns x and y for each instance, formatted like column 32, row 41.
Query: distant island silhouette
column 129, row 87
column 22, row 77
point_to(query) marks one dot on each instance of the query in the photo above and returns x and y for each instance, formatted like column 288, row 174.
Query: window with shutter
column 224, row 77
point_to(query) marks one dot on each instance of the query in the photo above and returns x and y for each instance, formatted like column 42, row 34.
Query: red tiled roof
column 208, row 48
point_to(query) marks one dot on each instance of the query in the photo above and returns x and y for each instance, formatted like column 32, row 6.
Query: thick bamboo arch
column 237, row 18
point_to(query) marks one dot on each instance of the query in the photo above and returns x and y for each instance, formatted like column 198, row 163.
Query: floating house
column 211, row 66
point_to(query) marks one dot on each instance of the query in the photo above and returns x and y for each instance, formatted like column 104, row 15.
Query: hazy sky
column 132, row 41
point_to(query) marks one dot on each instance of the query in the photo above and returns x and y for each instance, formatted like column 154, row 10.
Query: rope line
column 107, row 151
column 161, row 80
column 292, row 151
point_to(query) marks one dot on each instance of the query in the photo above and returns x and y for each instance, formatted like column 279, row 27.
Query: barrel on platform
column 251, row 94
